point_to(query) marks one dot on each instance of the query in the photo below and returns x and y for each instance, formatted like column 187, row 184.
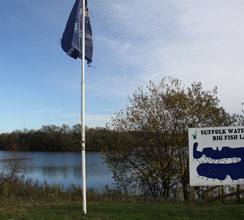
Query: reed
column 20, row 187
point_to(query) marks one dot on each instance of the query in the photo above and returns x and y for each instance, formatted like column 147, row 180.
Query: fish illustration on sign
column 220, row 170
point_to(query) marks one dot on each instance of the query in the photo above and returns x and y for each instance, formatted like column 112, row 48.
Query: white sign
column 216, row 156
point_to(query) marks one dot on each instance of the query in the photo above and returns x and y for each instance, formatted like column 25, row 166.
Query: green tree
column 150, row 137
column 97, row 138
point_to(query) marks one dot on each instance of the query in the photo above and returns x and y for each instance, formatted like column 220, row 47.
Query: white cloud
column 97, row 120
column 92, row 120
column 192, row 40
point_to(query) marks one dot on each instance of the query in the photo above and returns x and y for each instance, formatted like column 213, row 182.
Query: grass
column 130, row 210
column 22, row 199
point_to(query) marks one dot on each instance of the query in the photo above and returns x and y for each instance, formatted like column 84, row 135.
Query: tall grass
column 21, row 188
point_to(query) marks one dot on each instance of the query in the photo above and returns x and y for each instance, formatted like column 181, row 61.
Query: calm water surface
column 65, row 168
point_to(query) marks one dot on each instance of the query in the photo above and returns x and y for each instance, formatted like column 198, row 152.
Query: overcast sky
column 134, row 41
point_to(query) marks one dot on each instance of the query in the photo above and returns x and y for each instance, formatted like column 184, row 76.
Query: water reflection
column 65, row 168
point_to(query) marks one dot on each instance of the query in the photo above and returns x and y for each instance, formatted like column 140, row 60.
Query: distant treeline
column 55, row 138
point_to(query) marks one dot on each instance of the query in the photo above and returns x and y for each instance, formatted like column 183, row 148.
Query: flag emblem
column 72, row 36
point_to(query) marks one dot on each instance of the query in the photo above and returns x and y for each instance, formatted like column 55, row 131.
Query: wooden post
column 206, row 196
column 192, row 198
column 238, row 193
column 222, row 193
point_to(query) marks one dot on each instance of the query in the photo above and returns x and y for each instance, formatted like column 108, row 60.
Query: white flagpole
column 83, row 110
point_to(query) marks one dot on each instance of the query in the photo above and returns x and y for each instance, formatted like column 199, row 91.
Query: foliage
column 54, row 138
column 150, row 137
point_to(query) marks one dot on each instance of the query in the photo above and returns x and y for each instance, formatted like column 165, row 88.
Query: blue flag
column 70, row 40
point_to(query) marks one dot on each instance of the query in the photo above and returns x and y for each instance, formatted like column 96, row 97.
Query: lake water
column 65, row 168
